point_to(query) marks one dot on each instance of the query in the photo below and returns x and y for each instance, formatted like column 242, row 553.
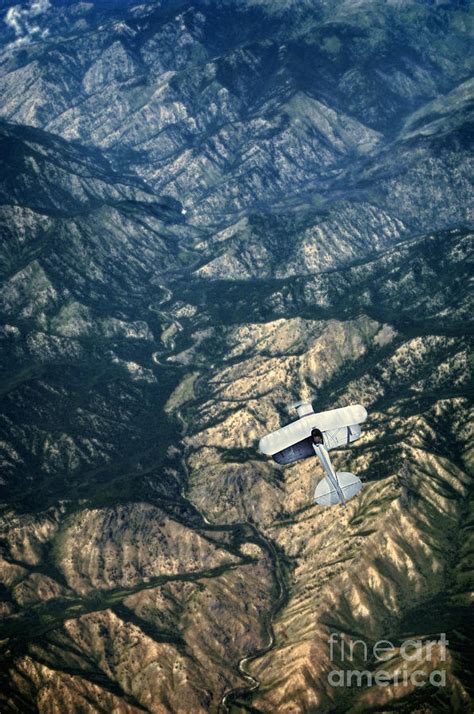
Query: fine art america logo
column 412, row 662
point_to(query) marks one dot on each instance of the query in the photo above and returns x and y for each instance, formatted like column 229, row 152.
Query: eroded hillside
column 208, row 211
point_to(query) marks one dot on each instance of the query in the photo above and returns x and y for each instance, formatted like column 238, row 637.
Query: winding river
column 231, row 696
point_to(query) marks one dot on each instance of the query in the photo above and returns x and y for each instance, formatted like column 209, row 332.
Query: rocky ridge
column 199, row 226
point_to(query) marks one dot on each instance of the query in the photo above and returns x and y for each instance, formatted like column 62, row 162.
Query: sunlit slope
column 210, row 210
column 400, row 549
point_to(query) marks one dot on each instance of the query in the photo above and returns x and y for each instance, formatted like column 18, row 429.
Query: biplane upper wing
column 336, row 425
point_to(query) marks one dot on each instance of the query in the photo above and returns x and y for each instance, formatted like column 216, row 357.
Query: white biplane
column 316, row 434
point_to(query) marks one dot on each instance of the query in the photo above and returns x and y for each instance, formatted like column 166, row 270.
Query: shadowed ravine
column 255, row 536
column 210, row 210
column 232, row 697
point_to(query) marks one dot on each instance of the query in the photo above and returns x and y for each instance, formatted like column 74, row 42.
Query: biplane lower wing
column 335, row 422
column 301, row 450
column 304, row 449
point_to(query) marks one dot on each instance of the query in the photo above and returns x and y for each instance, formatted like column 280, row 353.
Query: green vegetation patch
column 183, row 393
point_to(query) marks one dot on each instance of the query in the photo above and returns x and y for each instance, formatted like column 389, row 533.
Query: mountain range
column 209, row 210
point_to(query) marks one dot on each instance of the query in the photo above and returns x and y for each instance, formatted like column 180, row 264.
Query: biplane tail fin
column 326, row 494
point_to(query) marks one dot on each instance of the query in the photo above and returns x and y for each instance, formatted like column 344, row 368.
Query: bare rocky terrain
column 209, row 210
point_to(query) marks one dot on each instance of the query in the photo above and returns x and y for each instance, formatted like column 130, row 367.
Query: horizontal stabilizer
column 325, row 493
